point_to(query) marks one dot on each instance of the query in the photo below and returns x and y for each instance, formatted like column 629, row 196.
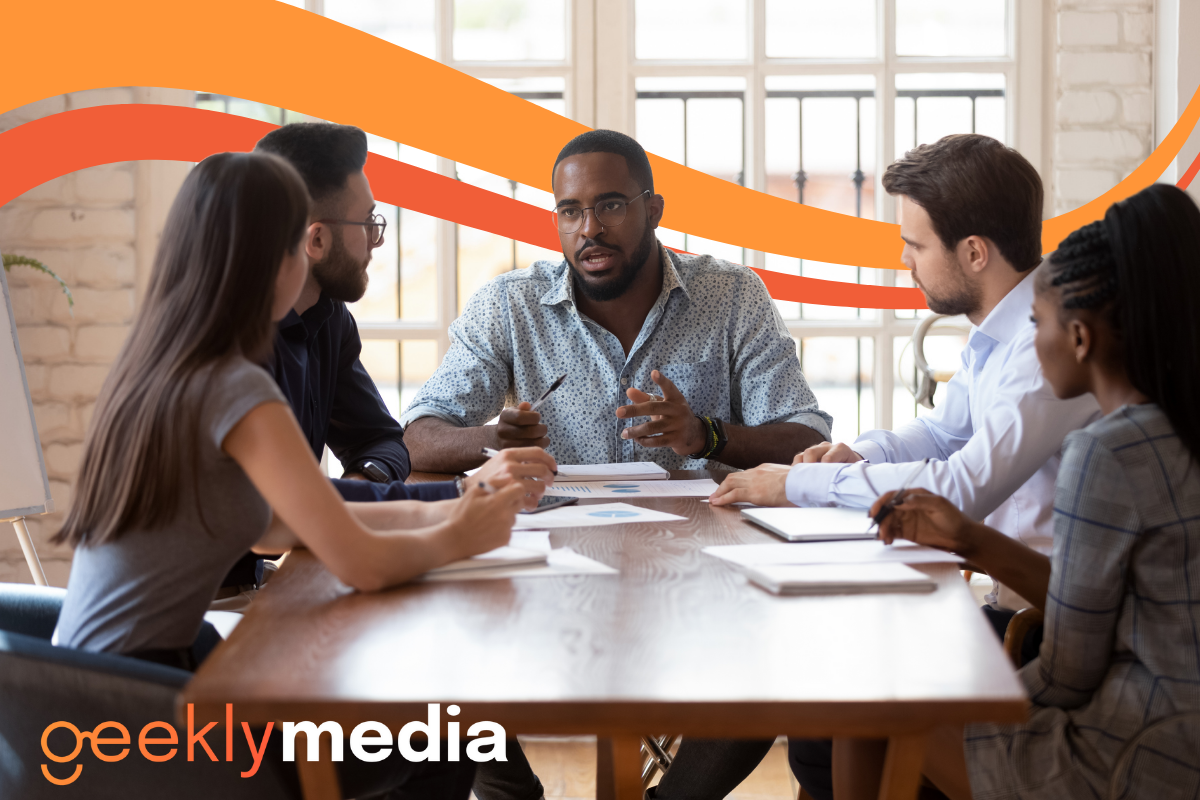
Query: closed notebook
column 624, row 471
column 506, row 556
column 840, row 578
column 812, row 524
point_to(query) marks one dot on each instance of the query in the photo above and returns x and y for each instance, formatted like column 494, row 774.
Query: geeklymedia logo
column 369, row 741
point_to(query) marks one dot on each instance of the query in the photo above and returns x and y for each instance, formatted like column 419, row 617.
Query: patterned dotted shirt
column 713, row 331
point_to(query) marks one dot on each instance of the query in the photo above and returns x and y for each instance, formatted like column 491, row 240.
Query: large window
column 802, row 99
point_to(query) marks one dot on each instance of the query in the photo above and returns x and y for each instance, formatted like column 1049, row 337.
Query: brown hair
column 972, row 185
column 210, row 296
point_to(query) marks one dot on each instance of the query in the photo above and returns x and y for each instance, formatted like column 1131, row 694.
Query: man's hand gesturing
column 672, row 423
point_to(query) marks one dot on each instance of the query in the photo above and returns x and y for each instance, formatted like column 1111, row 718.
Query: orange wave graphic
column 44, row 149
column 255, row 49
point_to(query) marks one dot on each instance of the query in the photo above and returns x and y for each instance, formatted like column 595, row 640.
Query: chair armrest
column 1021, row 624
column 28, row 609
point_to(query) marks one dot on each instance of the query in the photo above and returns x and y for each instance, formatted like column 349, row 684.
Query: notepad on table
column 628, row 471
column 800, row 579
column 506, row 556
column 813, row 524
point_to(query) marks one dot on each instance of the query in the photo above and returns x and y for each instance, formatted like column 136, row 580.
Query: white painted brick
column 1139, row 28
column 44, row 342
column 85, row 415
column 1078, row 28
column 37, row 376
column 51, row 417
column 60, row 493
column 100, row 342
column 107, row 266
column 24, row 302
column 15, row 220
column 1083, row 108
column 1085, row 146
column 107, row 184
column 76, row 381
column 1138, row 107
column 83, row 225
column 99, row 97
column 32, row 111
column 57, row 190
column 1120, row 69
column 63, row 459
column 1084, row 184
column 97, row 305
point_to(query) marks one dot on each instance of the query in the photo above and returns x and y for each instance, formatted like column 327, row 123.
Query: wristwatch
column 371, row 471
column 715, row 438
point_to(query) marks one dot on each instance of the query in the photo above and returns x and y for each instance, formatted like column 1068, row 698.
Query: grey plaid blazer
column 1122, row 637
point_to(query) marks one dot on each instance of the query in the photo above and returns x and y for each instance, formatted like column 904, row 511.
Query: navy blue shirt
column 316, row 364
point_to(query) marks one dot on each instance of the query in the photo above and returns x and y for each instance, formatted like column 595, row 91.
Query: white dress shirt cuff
column 809, row 484
column 870, row 450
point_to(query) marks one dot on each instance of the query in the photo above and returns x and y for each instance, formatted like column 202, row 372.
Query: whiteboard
column 24, row 488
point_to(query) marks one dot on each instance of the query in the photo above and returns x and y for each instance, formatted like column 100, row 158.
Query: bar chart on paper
column 695, row 488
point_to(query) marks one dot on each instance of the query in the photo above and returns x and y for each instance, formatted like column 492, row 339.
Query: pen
column 548, row 392
column 490, row 453
column 898, row 497
column 487, row 489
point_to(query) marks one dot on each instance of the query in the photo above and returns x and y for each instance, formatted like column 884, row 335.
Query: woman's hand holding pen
column 520, row 427
column 928, row 519
column 482, row 520
column 531, row 466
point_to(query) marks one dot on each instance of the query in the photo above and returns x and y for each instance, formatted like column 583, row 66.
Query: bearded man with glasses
column 669, row 357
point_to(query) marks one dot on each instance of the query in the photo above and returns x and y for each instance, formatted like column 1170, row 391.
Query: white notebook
column 507, row 556
column 813, row 524
column 629, row 471
column 840, row 578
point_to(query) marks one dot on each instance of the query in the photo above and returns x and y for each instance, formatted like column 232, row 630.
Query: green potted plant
column 13, row 260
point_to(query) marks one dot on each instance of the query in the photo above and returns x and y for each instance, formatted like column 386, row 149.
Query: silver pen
column 898, row 497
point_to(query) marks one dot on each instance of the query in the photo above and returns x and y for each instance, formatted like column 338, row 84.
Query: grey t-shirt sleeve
column 236, row 390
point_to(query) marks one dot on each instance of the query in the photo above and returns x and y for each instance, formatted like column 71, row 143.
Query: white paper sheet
column 631, row 489
column 563, row 561
column 624, row 471
column 579, row 516
column 500, row 557
column 530, row 540
column 852, row 552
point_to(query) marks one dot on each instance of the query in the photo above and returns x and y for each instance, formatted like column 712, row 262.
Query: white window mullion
column 447, row 233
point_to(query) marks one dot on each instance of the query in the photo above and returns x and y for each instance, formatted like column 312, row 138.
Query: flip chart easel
column 24, row 487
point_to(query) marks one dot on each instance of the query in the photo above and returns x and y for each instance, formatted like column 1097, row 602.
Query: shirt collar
column 1011, row 314
column 563, row 289
column 301, row 326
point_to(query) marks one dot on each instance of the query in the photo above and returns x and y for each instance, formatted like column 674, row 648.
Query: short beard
column 617, row 285
column 339, row 275
column 963, row 298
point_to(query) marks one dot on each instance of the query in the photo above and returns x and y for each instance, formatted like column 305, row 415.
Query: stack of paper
column 511, row 564
column 868, row 552
column 631, row 471
column 802, row 579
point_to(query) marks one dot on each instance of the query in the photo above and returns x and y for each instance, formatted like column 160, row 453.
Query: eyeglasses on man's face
column 375, row 226
column 609, row 213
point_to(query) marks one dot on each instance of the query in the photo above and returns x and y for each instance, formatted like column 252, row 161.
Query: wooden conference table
column 677, row 643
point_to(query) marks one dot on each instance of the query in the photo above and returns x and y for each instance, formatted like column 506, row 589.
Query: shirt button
column 624, row 381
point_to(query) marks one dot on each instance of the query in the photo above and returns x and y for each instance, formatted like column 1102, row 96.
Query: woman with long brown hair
column 193, row 455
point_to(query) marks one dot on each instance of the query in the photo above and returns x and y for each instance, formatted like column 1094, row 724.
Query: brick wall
column 1104, row 110
column 97, row 231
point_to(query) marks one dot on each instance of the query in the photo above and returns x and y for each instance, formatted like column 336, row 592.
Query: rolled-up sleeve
column 1096, row 528
column 768, row 385
column 470, row 385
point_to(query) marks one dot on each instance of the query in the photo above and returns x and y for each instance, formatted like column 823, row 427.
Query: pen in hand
column 491, row 453
column 898, row 497
column 537, row 403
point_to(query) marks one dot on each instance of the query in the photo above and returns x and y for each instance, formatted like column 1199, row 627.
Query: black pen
column 898, row 497
column 547, row 393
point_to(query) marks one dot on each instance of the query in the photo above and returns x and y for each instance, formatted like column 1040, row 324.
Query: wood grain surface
column 678, row 642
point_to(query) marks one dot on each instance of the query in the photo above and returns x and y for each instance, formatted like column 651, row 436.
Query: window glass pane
column 296, row 3
column 820, row 29
column 409, row 24
column 381, row 359
column 837, row 143
column 839, row 371
column 951, row 28
column 708, row 30
column 697, row 122
column 510, row 30
column 418, row 360
column 546, row 92
column 932, row 105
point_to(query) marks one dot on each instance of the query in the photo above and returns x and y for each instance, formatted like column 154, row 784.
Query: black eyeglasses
column 375, row 227
column 609, row 213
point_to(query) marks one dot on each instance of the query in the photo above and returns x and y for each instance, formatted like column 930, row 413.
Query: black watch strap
column 372, row 472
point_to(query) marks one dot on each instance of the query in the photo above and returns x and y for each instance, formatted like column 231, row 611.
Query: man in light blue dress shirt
column 673, row 358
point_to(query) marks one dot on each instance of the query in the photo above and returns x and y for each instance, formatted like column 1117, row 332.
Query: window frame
column 605, row 97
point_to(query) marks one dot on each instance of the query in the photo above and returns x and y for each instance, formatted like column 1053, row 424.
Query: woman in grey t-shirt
column 193, row 454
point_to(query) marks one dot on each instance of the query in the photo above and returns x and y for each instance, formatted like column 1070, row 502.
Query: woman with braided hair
column 1114, row 310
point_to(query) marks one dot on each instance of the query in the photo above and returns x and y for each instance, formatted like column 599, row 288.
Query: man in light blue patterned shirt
column 673, row 358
